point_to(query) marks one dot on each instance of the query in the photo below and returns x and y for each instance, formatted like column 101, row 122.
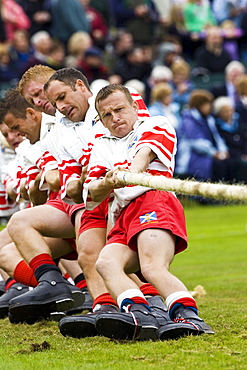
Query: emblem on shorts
column 149, row 218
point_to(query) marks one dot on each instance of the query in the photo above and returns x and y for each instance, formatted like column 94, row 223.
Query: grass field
column 216, row 258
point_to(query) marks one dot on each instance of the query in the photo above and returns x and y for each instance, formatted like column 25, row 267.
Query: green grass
column 216, row 258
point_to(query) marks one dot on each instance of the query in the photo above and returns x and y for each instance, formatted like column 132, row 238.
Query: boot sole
column 77, row 329
column 177, row 332
column 124, row 330
column 32, row 312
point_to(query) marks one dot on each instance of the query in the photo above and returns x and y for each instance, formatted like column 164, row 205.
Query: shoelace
column 183, row 320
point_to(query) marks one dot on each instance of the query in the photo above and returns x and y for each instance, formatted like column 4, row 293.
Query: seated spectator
column 9, row 73
column 181, row 82
column 202, row 153
column 138, row 18
column 104, row 7
column 56, row 58
column 167, row 52
column 227, row 122
column 231, row 35
column 13, row 17
column 197, row 16
column 39, row 13
column 241, row 106
column 138, row 85
column 68, row 17
column 162, row 104
column 120, row 44
column 158, row 74
column 98, row 27
column 233, row 71
column 41, row 43
column 78, row 43
column 92, row 65
column 212, row 55
column 21, row 49
column 133, row 65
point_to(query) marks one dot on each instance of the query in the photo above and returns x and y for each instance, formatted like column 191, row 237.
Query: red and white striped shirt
column 110, row 152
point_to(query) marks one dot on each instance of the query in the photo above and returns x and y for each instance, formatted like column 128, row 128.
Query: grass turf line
column 216, row 258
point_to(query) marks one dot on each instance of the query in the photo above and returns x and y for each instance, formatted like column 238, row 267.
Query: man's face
column 117, row 114
column 72, row 103
column 34, row 94
column 28, row 127
column 13, row 137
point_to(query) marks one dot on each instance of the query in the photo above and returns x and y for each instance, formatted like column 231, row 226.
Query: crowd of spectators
column 185, row 57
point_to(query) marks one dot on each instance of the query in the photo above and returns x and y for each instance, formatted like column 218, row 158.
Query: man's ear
column 80, row 84
column 135, row 106
column 31, row 113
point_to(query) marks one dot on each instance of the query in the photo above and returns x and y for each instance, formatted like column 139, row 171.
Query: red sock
column 148, row 290
column 81, row 284
column 9, row 283
column 41, row 259
column 104, row 299
column 24, row 274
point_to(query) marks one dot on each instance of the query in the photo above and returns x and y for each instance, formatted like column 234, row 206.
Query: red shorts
column 155, row 209
column 69, row 209
column 72, row 255
column 97, row 218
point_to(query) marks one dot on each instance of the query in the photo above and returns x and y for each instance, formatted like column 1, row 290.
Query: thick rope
column 217, row 191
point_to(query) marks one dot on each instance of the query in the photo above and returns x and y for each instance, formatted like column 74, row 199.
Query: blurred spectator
column 78, row 43
column 198, row 16
column 39, row 13
column 237, row 9
column 133, row 65
column 231, row 35
column 202, row 153
column 96, row 85
column 41, row 43
column 220, row 10
column 13, row 18
column 92, row 65
column 121, row 43
column 138, row 85
column 162, row 104
column 98, row 27
column 21, row 49
column 9, row 73
column 68, row 17
column 104, row 7
column 56, row 58
column 241, row 106
column 166, row 53
column 212, row 55
column 138, row 17
column 233, row 71
column 181, row 82
column 158, row 74
column 227, row 122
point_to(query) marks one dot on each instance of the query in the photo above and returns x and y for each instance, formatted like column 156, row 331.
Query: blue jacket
column 198, row 141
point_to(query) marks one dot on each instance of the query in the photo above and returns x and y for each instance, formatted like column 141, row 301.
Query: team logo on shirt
column 133, row 142
column 148, row 218
column 95, row 120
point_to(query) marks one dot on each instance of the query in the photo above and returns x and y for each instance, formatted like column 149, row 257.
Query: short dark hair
column 68, row 76
column 108, row 90
column 13, row 102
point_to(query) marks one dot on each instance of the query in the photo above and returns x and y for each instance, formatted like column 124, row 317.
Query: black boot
column 84, row 325
column 187, row 315
column 53, row 294
column 86, row 306
column 138, row 324
column 168, row 328
column 15, row 290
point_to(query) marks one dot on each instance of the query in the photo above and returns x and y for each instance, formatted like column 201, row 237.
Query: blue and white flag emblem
column 148, row 218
